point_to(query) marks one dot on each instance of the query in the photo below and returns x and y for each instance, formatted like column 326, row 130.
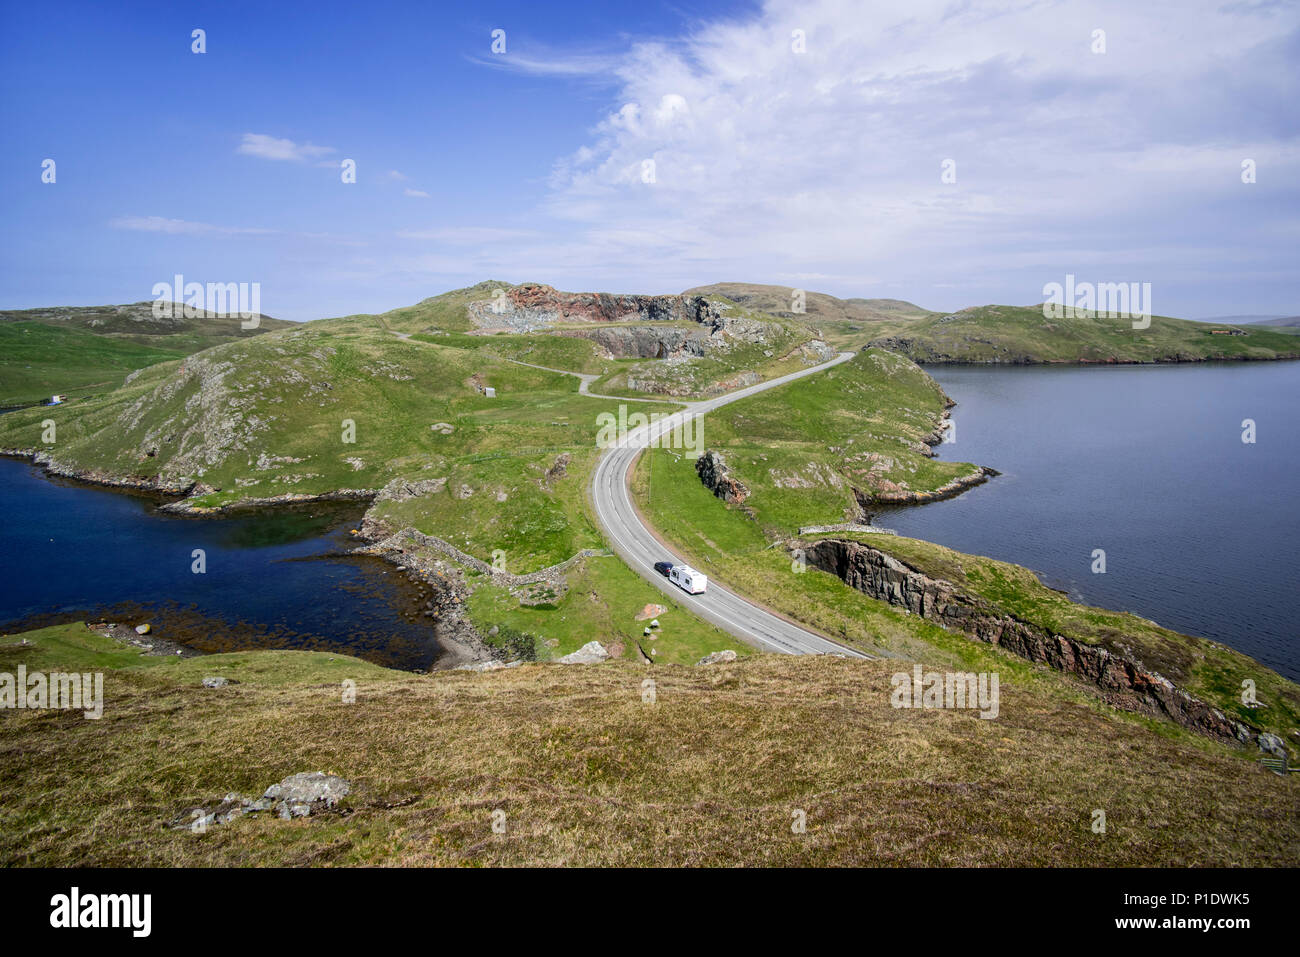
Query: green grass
column 78, row 350
column 803, row 448
column 602, row 603
column 554, row 352
column 38, row 360
column 1021, row 334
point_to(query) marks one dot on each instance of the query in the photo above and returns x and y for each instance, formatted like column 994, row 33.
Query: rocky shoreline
column 948, row 490
column 1123, row 681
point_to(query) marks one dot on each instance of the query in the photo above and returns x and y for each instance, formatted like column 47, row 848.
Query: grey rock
column 143, row 629
column 1272, row 744
column 216, row 681
column 593, row 652
column 718, row 657
column 314, row 790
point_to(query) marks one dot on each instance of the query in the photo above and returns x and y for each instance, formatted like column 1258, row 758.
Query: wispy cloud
column 539, row 61
column 271, row 148
column 468, row 235
column 184, row 227
column 419, row 193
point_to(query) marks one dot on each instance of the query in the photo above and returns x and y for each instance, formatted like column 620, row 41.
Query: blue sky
column 818, row 168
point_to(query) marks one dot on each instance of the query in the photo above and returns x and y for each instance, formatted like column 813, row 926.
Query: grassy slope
column 736, row 549
column 37, row 360
column 1020, row 334
column 845, row 323
column 80, row 349
column 803, row 447
column 588, row 774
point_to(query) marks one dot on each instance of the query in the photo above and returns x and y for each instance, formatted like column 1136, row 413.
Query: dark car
column 663, row 568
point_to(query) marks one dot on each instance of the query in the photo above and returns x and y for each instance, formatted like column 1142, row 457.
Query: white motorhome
column 688, row 579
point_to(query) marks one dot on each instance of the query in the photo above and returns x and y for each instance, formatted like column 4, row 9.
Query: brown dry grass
column 587, row 773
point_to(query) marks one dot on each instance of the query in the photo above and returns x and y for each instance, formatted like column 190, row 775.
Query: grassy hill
column 586, row 773
column 1012, row 334
column 822, row 449
column 501, row 478
column 1020, row 334
column 845, row 323
column 78, row 350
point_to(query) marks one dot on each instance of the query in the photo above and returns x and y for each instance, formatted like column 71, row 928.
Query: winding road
column 634, row 542
column 637, row 545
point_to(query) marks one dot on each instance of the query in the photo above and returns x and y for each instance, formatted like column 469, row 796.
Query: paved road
column 637, row 545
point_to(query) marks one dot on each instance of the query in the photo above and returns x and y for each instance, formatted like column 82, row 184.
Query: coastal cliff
column 1124, row 681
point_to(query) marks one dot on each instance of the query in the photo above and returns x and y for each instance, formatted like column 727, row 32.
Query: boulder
column 718, row 657
column 303, row 794
column 143, row 629
column 1272, row 744
column 593, row 652
column 712, row 470
column 216, row 681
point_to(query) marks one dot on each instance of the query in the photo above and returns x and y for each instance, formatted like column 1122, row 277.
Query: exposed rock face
column 534, row 306
column 1124, row 683
column 646, row 342
column 712, row 470
column 815, row 352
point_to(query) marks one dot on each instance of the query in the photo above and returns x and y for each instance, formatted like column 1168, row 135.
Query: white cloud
column 771, row 164
column 183, row 227
column 419, row 193
column 268, row 147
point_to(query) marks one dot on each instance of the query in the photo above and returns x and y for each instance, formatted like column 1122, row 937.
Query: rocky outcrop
column 886, row 492
column 712, row 470
column 403, row 490
column 646, row 342
column 558, row 470
column 298, row 795
column 1124, row 683
column 535, row 306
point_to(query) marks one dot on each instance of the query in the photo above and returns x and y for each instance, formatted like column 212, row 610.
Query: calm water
column 274, row 579
column 1201, row 531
